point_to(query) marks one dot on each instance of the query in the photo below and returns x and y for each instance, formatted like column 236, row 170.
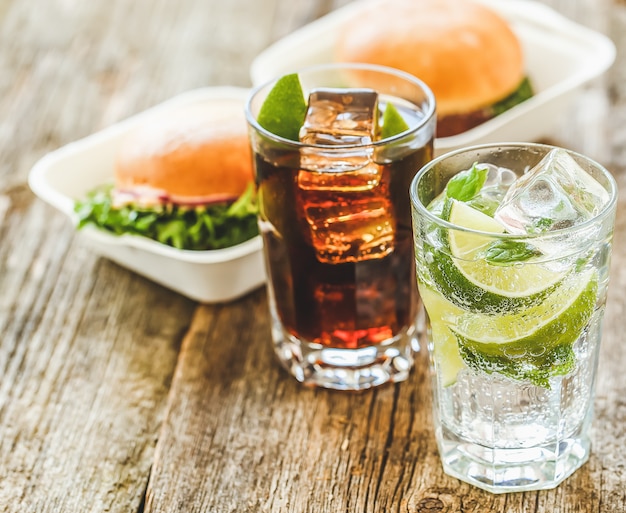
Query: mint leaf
column 503, row 252
column 465, row 185
column 542, row 224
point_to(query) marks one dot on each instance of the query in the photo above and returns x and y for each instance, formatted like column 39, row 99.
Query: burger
column 183, row 178
column 466, row 53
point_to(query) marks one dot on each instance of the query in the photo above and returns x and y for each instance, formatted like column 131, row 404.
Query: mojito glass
column 512, row 245
column 335, row 217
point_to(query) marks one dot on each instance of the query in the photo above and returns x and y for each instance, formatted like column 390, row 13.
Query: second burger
column 185, row 179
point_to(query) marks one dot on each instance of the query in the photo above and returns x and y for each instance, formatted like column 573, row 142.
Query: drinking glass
column 336, row 225
column 513, row 274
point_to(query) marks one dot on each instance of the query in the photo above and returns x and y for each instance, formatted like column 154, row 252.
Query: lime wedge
column 441, row 314
column 393, row 122
column 472, row 283
column 284, row 108
column 535, row 344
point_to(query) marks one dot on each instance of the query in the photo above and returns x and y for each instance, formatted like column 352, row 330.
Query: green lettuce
column 204, row 227
column 523, row 92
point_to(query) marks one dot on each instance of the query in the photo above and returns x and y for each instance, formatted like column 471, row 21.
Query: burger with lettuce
column 184, row 179
column 467, row 54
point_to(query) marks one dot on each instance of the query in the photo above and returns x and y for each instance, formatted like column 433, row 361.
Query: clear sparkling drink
column 512, row 249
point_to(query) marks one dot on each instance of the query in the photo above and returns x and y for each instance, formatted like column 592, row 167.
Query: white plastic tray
column 68, row 173
column 561, row 56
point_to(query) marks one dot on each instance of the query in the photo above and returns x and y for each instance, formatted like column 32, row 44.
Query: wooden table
column 119, row 395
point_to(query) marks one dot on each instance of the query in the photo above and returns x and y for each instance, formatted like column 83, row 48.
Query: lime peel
column 284, row 108
column 393, row 122
column 470, row 282
column 441, row 314
column 535, row 344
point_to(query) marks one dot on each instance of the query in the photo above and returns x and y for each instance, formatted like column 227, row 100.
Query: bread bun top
column 195, row 154
column 467, row 54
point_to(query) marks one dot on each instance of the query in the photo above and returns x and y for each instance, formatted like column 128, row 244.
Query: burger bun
column 466, row 53
column 195, row 154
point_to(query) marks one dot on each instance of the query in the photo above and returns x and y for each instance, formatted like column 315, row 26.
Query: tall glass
column 514, row 319
column 336, row 227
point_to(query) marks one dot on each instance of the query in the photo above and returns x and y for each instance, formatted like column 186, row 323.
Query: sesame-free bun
column 199, row 153
column 467, row 54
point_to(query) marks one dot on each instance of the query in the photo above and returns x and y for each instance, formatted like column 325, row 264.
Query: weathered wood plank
column 84, row 372
column 93, row 377
column 89, row 350
column 243, row 436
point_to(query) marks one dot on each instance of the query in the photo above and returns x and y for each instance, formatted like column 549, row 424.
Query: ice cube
column 498, row 177
column 350, row 227
column 345, row 200
column 557, row 193
column 340, row 116
column 337, row 117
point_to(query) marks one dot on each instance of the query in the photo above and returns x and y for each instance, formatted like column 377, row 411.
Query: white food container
column 561, row 56
column 67, row 174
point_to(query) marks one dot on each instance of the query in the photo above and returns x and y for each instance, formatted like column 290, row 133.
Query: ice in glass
column 512, row 246
column 335, row 220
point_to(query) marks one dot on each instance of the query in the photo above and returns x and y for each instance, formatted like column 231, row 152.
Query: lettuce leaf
column 198, row 228
column 523, row 92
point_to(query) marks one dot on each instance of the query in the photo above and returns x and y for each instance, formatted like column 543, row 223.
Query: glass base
column 512, row 470
column 346, row 369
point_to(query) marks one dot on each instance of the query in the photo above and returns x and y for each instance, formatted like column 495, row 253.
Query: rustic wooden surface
column 119, row 395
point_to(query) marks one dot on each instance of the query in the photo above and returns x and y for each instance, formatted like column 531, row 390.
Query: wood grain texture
column 271, row 445
column 111, row 385
column 87, row 349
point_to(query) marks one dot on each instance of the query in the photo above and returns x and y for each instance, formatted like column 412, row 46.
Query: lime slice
column 535, row 344
column 393, row 122
column 284, row 108
column 441, row 314
column 472, row 283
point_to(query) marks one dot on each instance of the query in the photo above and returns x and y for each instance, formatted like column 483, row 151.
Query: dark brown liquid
column 340, row 258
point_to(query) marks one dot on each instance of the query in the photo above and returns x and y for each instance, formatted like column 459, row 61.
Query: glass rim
column 428, row 115
column 423, row 211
